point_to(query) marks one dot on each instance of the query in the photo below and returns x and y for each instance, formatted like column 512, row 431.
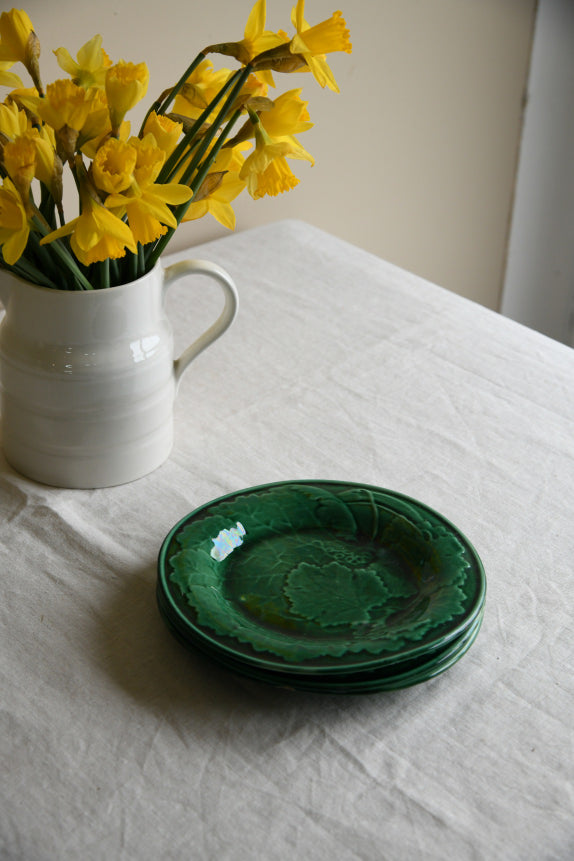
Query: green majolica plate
column 319, row 577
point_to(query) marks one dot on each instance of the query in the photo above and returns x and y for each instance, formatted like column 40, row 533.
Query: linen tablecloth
column 118, row 744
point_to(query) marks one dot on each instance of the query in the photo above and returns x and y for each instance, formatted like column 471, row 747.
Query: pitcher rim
column 94, row 292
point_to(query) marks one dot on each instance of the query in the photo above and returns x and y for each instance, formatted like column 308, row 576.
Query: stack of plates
column 322, row 586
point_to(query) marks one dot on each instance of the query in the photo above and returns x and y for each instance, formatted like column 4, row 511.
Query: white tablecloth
column 118, row 744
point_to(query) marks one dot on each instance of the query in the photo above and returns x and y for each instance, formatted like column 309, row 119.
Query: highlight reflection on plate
column 319, row 577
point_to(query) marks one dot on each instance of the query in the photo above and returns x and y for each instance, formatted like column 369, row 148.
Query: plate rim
column 306, row 668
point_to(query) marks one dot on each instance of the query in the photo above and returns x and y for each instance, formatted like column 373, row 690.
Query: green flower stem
column 185, row 157
column 176, row 89
column 201, row 169
column 173, row 161
column 196, row 166
column 161, row 104
column 133, row 265
column 179, row 213
column 48, row 268
column 208, row 140
column 104, row 274
column 60, row 250
column 169, row 167
column 141, row 261
column 47, row 206
column 24, row 269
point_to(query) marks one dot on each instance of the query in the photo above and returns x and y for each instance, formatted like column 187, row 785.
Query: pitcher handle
column 203, row 267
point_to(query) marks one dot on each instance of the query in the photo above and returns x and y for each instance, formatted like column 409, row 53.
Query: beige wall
column 415, row 158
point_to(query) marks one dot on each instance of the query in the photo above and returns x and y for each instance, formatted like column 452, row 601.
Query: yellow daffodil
column 48, row 164
column 253, row 88
column 66, row 108
column 97, row 125
column 96, row 235
column 14, row 227
column 30, row 153
column 7, row 78
column 25, row 98
column 89, row 145
column 165, row 131
column 146, row 203
column 256, row 40
column 113, row 166
column 19, row 159
column 19, row 43
column 266, row 171
column 199, row 90
column 15, row 31
column 98, row 128
column 277, row 122
column 312, row 43
column 287, row 116
column 13, row 120
column 149, row 160
column 126, row 84
column 90, row 67
column 222, row 185
column 148, row 210
column 65, row 104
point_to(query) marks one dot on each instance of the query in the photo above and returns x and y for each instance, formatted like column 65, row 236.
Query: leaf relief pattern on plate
column 334, row 594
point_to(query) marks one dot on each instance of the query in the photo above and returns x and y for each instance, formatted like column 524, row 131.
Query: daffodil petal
column 223, row 213
column 90, row 54
column 14, row 247
column 145, row 227
column 256, row 21
column 64, row 230
column 15, row 30
column 110, row 224
column 322, row 73
column 117, row 201
column 297, row 18
column 196, row 210
column 172, row 193
column 229, row 189
column 66, row 61
column 10, row 79
column 86, row 234
column 159, row 210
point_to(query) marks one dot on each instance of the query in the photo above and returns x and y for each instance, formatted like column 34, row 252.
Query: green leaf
column 334, row 594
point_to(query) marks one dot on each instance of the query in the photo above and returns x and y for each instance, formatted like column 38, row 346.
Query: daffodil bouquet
column 213, row 134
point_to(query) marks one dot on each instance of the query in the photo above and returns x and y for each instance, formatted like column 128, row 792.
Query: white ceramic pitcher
column 88, row 378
